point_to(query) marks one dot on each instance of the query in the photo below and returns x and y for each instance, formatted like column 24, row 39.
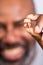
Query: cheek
column 23, row 33
column 2, row 33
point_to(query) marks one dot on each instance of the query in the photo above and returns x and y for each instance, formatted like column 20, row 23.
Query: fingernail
column 37, row 29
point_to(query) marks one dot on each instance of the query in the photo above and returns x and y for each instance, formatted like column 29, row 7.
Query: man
column 17, row 46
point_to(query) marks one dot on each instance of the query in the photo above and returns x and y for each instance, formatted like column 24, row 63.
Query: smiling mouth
column 13, row 54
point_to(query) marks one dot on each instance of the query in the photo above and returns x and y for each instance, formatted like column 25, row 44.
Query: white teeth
column 13, row 51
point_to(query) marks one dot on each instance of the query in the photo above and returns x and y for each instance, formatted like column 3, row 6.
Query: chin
column 25, row 59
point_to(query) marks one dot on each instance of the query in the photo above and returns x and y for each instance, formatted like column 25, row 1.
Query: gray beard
column 27, row 60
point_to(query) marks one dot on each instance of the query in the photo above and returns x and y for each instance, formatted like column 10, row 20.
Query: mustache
column 5, row 45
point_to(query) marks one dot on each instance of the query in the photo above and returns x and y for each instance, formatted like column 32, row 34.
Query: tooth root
column 25, row 25
column 26, row 20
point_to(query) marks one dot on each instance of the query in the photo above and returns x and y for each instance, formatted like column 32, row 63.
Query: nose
column 10, row 37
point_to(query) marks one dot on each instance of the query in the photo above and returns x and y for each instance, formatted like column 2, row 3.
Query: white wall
column 38, row 6
column 39, row 10
column 39, row 56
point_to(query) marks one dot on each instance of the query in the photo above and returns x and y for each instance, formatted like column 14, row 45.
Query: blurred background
column 38, row 6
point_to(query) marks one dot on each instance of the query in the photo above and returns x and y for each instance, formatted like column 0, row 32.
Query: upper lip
column 8, row 46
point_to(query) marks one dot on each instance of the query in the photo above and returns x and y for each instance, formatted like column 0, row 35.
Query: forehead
column 15, row 9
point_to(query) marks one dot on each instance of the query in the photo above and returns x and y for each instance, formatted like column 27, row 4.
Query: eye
column 18, row 24
column 2, row 26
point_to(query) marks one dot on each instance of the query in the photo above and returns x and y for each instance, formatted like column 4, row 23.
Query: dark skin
column 13, row 33
column 35, row 27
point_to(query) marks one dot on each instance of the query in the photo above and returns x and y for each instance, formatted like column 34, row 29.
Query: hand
column 34, row 25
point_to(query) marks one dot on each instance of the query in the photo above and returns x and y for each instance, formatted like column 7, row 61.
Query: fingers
column 34, row 26
column 39, row 26
column 33, row 16
column 30, row 22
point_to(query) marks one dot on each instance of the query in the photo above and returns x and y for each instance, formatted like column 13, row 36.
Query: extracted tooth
column 26, row 20
column 29, row 25
column 33, row 17
column 30, row 16
column 25, row 25
column 29, row 21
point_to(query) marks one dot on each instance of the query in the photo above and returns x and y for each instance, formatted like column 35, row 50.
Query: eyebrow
column 20, row 21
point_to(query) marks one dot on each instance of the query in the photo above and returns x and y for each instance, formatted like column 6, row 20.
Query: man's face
column 15, row 42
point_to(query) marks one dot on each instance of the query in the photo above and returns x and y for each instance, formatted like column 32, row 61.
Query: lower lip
column 13, row 54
